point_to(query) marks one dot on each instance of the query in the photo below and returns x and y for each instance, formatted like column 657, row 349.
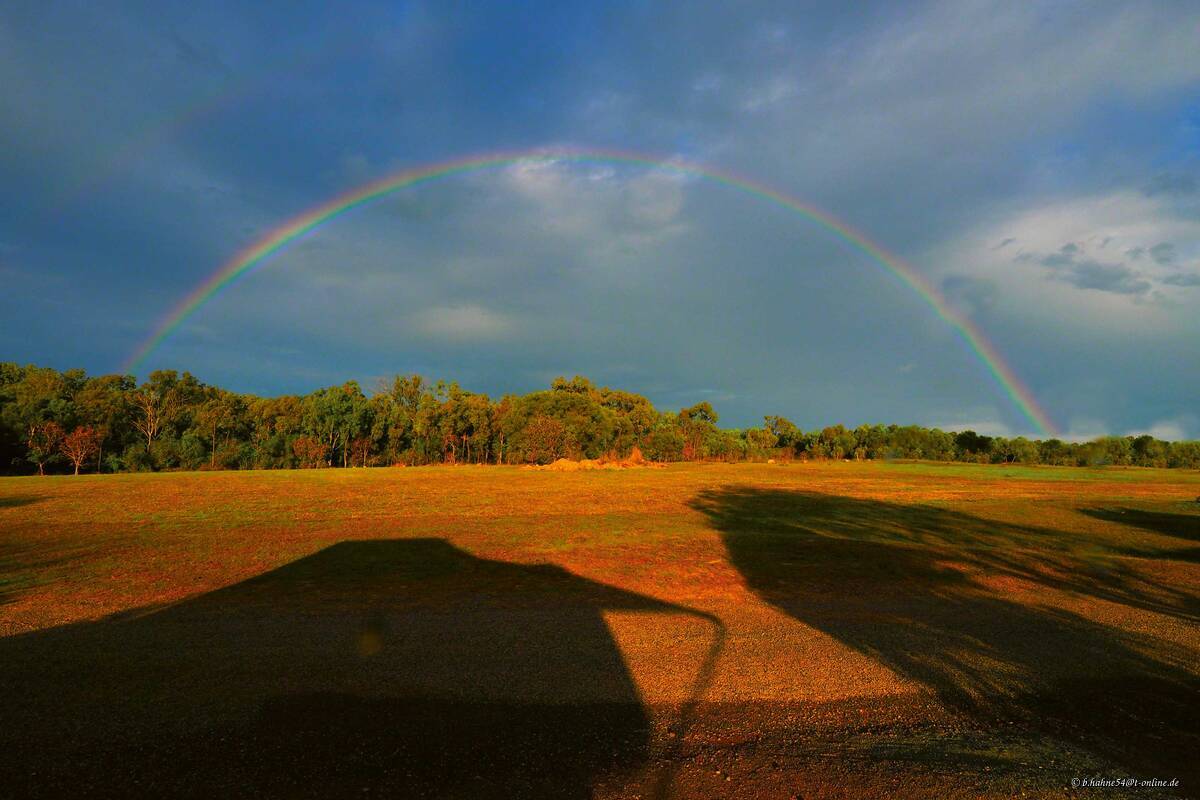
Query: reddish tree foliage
column 311, row 451
column 80, row 444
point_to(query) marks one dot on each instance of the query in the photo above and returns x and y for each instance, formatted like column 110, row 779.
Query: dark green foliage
column 174, row 421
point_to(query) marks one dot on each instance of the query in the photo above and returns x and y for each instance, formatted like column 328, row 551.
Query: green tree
column 696, row 423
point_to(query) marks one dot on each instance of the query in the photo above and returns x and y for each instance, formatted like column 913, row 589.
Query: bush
column 137, row 459
column 664, row 444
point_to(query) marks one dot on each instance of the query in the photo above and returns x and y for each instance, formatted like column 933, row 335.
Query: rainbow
column 247, row 260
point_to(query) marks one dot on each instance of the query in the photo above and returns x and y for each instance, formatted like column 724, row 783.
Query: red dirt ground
column 836, row 630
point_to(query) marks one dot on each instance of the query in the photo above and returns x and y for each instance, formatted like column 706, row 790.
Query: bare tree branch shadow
column 903, row 585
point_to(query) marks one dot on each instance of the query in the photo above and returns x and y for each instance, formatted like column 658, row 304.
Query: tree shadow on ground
column 406, row 667
column 1180, row 526
column 18, row 500
column 927, row 592
column 24, row 563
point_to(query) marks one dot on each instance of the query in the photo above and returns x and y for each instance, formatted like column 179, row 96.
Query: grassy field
column 805, row 630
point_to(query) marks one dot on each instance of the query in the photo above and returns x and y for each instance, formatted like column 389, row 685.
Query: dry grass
column 750, row 630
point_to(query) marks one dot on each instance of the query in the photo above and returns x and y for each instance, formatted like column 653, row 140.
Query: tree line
column 52, row 421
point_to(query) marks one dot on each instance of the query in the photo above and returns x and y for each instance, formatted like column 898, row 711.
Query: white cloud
column 1083, row 260
column 1171, row 430
column 461, row 324
column 1083, row 429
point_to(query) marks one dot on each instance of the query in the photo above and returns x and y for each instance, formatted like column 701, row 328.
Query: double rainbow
column 248, row 259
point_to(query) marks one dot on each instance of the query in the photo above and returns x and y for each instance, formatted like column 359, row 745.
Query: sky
column 1038, row 164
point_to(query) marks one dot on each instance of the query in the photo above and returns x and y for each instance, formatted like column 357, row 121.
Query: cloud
column 1116, row 245
column 1100, row 277
column 1168, row 430
column 1065, row 257
column 982, row 426
column 1163, row 253
column 600, row 202
column 1171, row 183
column 463, row 324
column 1084, row 429
column 1183, row 279
column 970, row 294
column 1085, row 273
column 1033, row 203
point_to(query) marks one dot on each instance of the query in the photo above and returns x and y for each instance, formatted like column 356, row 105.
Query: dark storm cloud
column 1072, row 264
column 1183, row 279
column 1104, row 278
column 143, row 144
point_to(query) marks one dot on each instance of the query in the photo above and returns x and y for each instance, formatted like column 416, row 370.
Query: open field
column 832, row 630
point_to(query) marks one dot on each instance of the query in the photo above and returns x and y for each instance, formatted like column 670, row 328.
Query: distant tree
column 1055, row 451
column 838, row 442
column 970, row 443
column 103, row 403
column 80, row 444
column 577, row 385
column 175, row 421
column 760, row 442
column 336, row 415
column 695, row 422
column 783, row 429
column 872, row 440
column 360, row 451
column 1024, row 450
column 665, row 441
column 505, row 423
column 1114, row 450
column 310, row 451
column 1184, row 455
column 633, row 417
column 43, row 443
column 219, row 414
column 1002, row 450
column 1149, row 452
column 154, row 405
column 545, row 439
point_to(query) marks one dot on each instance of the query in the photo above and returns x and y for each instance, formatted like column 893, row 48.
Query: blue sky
column 1040, row 163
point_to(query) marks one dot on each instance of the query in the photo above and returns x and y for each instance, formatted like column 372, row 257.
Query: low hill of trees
column 53, row 421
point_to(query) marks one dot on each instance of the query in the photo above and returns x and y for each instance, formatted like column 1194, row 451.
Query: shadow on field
column 1181, row 526
column 406, row 667
column 23, row 563
column 18, row 500
column 925, row 591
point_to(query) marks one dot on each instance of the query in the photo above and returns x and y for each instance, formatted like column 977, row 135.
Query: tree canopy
column 54, row 421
